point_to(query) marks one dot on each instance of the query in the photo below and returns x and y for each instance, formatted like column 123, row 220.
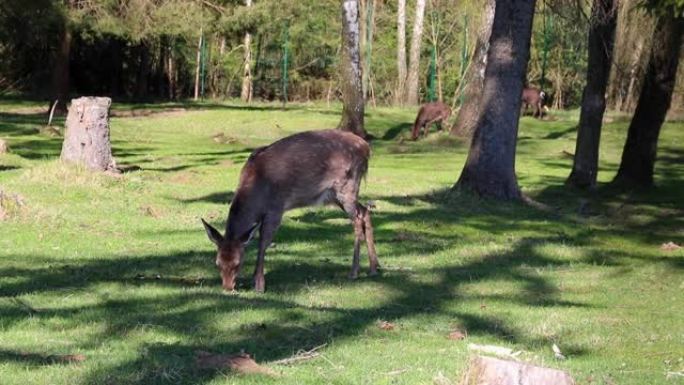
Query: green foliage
column 668, row 6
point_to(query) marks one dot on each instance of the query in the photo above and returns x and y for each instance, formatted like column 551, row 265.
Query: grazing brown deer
column 305, row 169
column 430, row 113
column 534, row 97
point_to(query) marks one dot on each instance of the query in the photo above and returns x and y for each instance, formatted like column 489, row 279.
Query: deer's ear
column 246, row 237
column 212, row 233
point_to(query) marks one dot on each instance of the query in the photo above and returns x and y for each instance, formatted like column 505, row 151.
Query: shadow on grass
column 396, row 130
column 189, row 309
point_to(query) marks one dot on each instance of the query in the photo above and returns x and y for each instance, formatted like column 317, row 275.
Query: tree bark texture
column 639, row 154
column 246, row 93
column 350, row 71
column 495, row 371
column 469, row 112
column 61, row 75
column 601, row 38
column 400, row 93
column 412, row 79
column 86, row 139
column 490, row 168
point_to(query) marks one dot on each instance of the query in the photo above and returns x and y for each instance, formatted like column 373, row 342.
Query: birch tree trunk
column 350, row 71
column 246, row 93
column 490, row 167
column 414, row 55
column 639, row 154
column 400, row 92
column 601, row 38
column 197, row 67
column 468, row 114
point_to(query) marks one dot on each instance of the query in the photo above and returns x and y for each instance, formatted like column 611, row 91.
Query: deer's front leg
column 266, row 232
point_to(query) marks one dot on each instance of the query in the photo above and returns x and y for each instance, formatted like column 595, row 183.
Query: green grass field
column 119, row 270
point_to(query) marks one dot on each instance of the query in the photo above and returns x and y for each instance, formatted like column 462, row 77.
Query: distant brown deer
column 305, row 169
column 534, row 97
column 430, row 113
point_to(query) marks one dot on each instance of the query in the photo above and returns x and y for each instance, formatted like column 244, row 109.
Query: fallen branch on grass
column 301, row 355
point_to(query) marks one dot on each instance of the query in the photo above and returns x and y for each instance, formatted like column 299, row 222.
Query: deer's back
column 298, row 169
column 433, row 110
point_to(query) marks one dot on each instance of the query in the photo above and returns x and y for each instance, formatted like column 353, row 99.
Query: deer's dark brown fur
column 305, row 169
column 534, row 97
column 429, row 113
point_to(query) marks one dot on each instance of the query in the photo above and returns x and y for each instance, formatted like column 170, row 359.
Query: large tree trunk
column 490, row 167
column 400, row 92
column 246, row 93
column 350, row 71
column 469, row 112
column 414, row 55
column 61, row 74
column 601, row 37
column 86, row 140
column 639, row 154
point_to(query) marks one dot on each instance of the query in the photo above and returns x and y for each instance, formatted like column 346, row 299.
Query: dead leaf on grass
column 385, row 325
column 670, row 246
column 457, row 335
column 150, row 211
column 223, row 138
column 241, row 363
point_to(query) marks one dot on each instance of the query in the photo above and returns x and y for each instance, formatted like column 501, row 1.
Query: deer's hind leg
column 370, row 239
column 347, row 199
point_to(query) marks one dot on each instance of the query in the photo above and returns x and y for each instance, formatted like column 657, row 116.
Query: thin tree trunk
column 170, row 72
column 469, row 113
column 350, row 71
column 116, row 66
column 246, row 93
column 601, row 38
column 490, row 167
column 143, row 72
column 197, row 67
column 369, row 22
column 400, row 92
column 61, row 75
column 412, row 88
column 639, row 154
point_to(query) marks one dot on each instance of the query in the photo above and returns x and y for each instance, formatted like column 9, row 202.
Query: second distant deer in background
column 534, row 97
column 430, row 113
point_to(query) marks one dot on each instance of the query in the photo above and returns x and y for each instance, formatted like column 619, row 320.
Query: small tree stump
column 86, row 140
column 4, row 148
column 494, row 371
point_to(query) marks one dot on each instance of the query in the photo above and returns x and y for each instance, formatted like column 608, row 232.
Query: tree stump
column 493, row 371
column 86, row 140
